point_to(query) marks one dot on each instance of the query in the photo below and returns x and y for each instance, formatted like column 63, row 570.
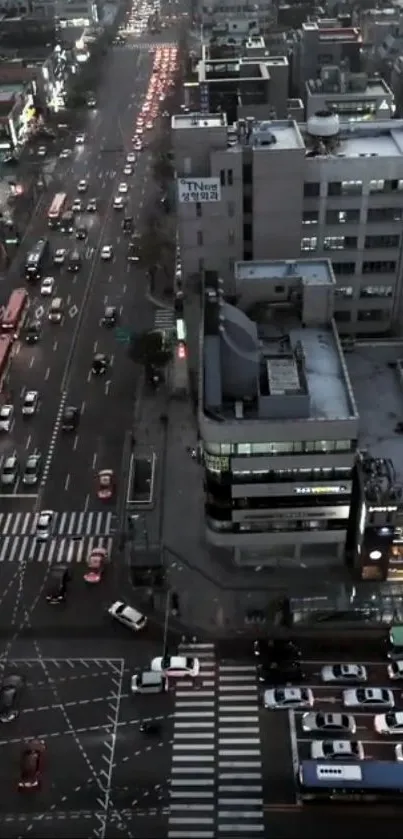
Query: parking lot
column 97, row 759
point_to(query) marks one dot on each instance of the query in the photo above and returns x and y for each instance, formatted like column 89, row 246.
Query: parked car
column 344, row 673
column 329, row 722
column 373, row 697
column 284, row 698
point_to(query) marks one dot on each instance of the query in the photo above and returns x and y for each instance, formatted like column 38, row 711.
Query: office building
column 353, row 96
column 261, row 13
column 85, row 12
column 277, row 417
column 323, row 43
column 275, row 190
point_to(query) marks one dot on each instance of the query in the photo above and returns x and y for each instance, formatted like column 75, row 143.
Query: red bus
column 14, row 313
column 6, row 344
column 56, row 209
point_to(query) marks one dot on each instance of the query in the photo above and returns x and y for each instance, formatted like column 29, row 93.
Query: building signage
column 215, row 463
column 320, row 490
column 312, row 514
column 199, row 190
column 204, row 98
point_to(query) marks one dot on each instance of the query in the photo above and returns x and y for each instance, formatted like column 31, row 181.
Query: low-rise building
column 320, row 44
column 353, row 96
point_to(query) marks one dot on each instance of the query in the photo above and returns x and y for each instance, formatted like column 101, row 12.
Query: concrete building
column 323, row 43
column 83, row 11
column 274, row 190
column 353, row 96
column 277, row 417
column 261, row 13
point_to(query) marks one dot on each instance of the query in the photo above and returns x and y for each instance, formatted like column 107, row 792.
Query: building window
column 231, row 237
column 222, row 177
column 247, row 204
column 291, row 447
column 187, row 165
column 374, row 242
column 394, row 186
column 342, row 317
column 343, row 268
column 230, row 177
column 200, row 238
column 376, row 291
column 342, row 216
column 372, row 315
column 198, row 210
column 310, row 217
column 385, row 266
column 339, row 243
column 231, row 209
column 344, row 291
column 311, row 190
column 247, row 232
column 231, row 264
column 384, row 214
column 351, row 187
column 247, row 173
column 377, row 186
column 309, row 243
column 334, row 188
column 201, row 264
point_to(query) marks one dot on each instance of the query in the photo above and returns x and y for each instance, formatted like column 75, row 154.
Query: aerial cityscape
column 201, row 419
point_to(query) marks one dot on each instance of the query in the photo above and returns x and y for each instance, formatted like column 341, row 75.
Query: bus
column 36, row 259
column 6, row 345
column 56, row 209
column 364, row 781
column 13, row 315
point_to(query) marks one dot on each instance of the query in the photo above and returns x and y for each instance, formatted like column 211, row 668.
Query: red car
column 96, row 562
column 105, row 484
column 31, row 765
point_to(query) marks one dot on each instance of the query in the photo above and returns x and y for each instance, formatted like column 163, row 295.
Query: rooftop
column 363, row 139
column 282, row 134
column 311, row 271
column 378, row 389
column 357, row 85
column 332, row 33
column 198, row 120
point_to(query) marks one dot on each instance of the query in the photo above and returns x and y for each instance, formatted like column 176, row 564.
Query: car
column 109, row 317
column 92, row 102
column 57, row 587
column 11, row 690
column 70, row 419
column 128, row 170
column 100, row 364
column 123, row 188
column 59, row 256
column 32, row 470
column 390, row 723
column 127, row 224
column 130, row 157
column 149, row 125
column 32, row 331
column 30, row 403
column 6, row 417
column 42, row 151
column 176, row 666
column 31, row 765
column 138, row 145
column 337, row 750
column 356, row 697
column 118, row 202
column 288, row 673
column 91, row 206
column 134, row 249
column 9, row 470
column 127, row 615
column 105, row 484
column 47, row 286
column 44, row 524
column 277, row 650
column 80, row 139
column 77, row 206
column 399, row 752
column 67, row 222
column 81, row 233
column 82, row 185
column 278, row 698
column 395, row 670
column 106, row 252
column 96, row 562
column 64, row 154
column 320, row 721
column 344, row 673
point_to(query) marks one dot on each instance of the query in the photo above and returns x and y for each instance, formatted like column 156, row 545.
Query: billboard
column 198, row 190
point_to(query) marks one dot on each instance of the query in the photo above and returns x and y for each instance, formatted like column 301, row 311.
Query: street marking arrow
column 73, row 311
column 39, row 312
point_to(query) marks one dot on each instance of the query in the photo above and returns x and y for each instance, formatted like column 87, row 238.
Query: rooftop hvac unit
column 324, row 125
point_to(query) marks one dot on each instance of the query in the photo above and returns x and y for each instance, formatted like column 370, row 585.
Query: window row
column 387, row 266
column 363, row 316
column 289, row 447
column 345, row 216
column 340, row 243
column 272, row 526
column 365, row 291
column 352, row 187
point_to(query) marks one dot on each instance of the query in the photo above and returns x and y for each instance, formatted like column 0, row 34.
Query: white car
column 176, row 666
column 337, row 750
column 82, row 186
column 371, row 697
column 390, row 723
column 80, row 139
column 128, row 170
column 332, row 723
column 344, row 673
column 64, row 154
column 288, row 698
column 77, row 206
column 118, row 202
column 131, row 157
column 395, row 670
column 9, row 470
column 107, row 252
column 59, row 256
column 138, row 145
column 44, row 525
column 47, row 286
column 127, row 615
column 30, row 403
column 123, row 188
column 6, row 417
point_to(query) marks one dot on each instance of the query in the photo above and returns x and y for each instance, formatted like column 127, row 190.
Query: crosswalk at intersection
column 63, row 524
column 54, row 551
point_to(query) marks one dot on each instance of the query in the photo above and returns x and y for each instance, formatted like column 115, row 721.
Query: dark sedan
column 288, row 673
column 11, row 690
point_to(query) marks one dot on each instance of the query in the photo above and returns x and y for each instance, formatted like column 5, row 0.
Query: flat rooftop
column 197, row 120
column 8, row 91
column 279, row 134
column 378, row 391
column 374, row 87
column 311, row 271
column 376, row 139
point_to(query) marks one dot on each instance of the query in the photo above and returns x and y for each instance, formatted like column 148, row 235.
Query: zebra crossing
column 66, row 551
column 164, row 319
column 216, row 787
column 150, row 45
column 63, row 524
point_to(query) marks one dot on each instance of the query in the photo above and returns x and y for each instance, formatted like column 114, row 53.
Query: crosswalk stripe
column 71, row 524
column 58, row 550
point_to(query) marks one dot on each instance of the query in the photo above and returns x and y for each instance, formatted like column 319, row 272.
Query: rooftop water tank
column 324, row 124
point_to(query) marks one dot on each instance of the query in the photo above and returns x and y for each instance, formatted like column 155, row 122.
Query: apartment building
column 277, row 417
column 354, row 96
column 276, row 190
column 323, row 43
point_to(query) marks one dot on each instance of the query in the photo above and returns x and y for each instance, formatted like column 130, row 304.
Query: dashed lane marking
column 61, row 662
column 87, row 730
column 53, row 440
column 72, row 704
